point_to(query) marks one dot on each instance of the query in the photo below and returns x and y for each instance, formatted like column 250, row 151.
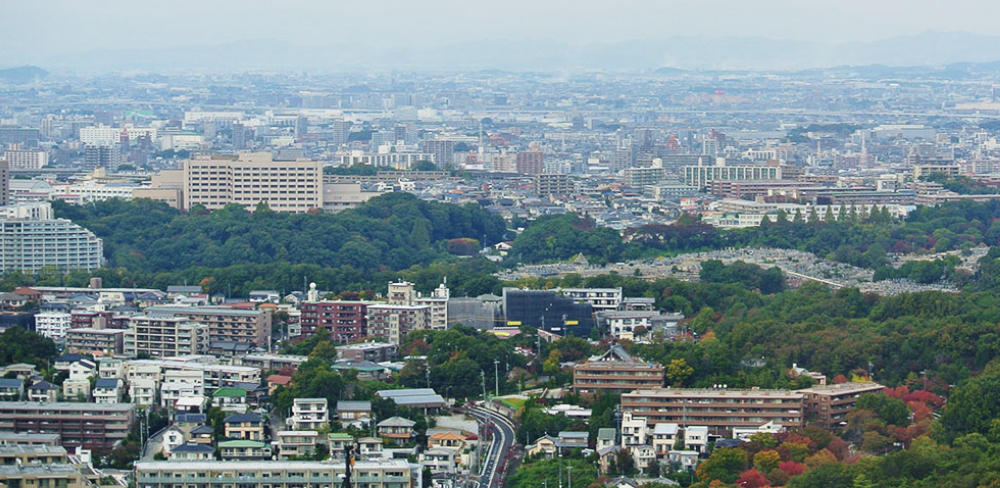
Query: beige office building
column 252, row 178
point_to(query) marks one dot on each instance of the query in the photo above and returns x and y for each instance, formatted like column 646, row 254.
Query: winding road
column 501, row 441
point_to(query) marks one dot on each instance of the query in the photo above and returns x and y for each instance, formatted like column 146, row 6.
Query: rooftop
column 715, row 393
column 842, row 388
column 268, row 465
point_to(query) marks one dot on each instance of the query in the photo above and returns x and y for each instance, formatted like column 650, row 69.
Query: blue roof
column 10, row 383
column 43, row 385
column 243, row 417
column 197, row 418
column 193, row 447
column 106, row 383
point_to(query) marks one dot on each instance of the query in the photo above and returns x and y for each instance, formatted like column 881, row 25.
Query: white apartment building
column 215, row 375
column 252, row 178
column 598, row 298
column 33, row 240
column 309, row 414
column 179, row 384
column 100, row 136
column 52, row 324
column 392, row 322
column 165, row 336
column 26, row 158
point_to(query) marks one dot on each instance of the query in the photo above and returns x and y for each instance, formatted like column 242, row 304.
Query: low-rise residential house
column 276, row 380
column 230, row 399
column 370, row 447
column 296, row 443
column 349, row 411
column 683, row 460
column 766, row 428
column 606, row 458
column 696, row 438
column 110, row 368
column 82, row 369
column 439, row 460
column 107, row 390
column 43, row 391
column 664, row 438
column 203, row 434
column 633, row 431
column 246, row 426
column 337, row 442
column 20, row 371
column 143, row 391
column 446, row 440
column 244, row 450
column 366, row 370
column 568, row 440
column 173, row 437
column 309, row 414
column 397, row 430
column 11, row 389
column 188, row 421
column 76, row 390
column 545, row 444
column 192, row 451
column 605, row 437
column 643, row 457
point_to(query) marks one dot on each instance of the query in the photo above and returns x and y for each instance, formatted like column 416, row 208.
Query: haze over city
column 520, row 34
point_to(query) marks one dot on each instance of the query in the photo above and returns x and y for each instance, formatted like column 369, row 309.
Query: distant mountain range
column 931, row 49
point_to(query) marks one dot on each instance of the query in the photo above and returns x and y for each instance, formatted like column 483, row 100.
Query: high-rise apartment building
column 252, row 178
column 4, row 182
column 443, row 151
column 109, row 157
column 31, row 239
column 531, row 162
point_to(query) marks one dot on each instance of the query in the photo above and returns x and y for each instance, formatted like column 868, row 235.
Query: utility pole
column 559, row 458
column 496, row 371
column 569, row 475
column 482, row 379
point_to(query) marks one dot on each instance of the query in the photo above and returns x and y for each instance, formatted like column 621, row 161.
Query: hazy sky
column 32, row 30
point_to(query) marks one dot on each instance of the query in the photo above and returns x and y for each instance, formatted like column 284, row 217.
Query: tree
column 725, row 464
column 678, row 371
column 752, row 478
column 766, row 461
column 891, row 410
column 972, row 406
